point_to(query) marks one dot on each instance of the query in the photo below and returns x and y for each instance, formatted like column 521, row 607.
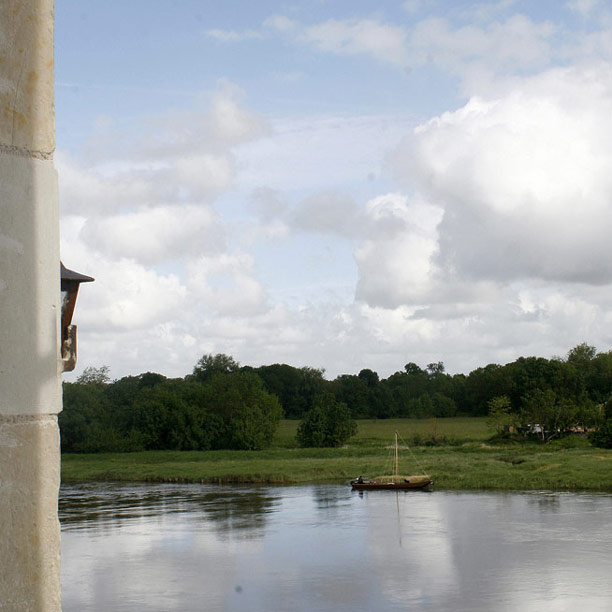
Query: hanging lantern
column 71, row 281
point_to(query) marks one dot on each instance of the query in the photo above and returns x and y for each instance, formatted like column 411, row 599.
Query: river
column 185, row 548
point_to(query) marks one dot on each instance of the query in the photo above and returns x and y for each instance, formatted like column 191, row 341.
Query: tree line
column 222, row 404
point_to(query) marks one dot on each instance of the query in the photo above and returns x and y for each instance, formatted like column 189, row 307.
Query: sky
column 339, row 184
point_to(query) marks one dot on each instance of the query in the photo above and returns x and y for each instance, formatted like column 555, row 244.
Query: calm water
column 324, row 548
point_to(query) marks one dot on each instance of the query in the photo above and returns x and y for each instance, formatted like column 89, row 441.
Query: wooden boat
column 401, row 484
column 395, row 482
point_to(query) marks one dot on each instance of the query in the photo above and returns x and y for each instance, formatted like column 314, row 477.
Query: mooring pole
column 30, row 368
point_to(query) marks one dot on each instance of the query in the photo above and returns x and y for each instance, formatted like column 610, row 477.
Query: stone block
column 29, row 527
column 27, row 118
column 29, row 287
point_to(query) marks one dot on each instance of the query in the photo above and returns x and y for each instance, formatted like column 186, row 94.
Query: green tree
column 327, row 424
column 547, row 415
column 248, row 414
column 424, row 406
column 94, row 375
column 369, row 377
column 208, row 365
column 353, row 391
column 458, row 392
column 406, row 387
column 599, row 378
column 85, row 423
column 501, row 417
column 150, row 379
column 443, row 406
column 312, row 431
column 173, row 415
column 531, row 374
column 581, row 355
column 312, row 385
column 412, row 369
column 294, row 387
column 121, row 395
column 435, row 368
column 602, row 438
column 483, row 384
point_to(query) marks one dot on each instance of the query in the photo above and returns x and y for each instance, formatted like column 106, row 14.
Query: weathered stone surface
column 27, row 118
column 29, row 287
column 30, row 385
column 29, row 528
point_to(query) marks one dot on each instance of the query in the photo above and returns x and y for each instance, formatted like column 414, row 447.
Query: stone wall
column 30, row 367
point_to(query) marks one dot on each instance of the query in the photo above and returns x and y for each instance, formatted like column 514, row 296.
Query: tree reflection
column 327, row 498
column 244, row 511
column 107, row 506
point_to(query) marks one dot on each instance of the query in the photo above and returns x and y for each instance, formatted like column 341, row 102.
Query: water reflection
column 330, row 499
column 239, row 510
column 109, row 505
column 194, row 547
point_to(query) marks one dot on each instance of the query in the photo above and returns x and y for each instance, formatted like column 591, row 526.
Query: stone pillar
column 30, row 369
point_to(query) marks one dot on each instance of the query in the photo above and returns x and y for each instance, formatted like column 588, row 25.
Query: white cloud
column 226, row 285
column 489, row 10
column 385, row 42
column 413, row 6
column 583, row 7
column 232, row 35
column 331, row 151
column 171, row 158
column 84, row 189
column 212, row 229
column 125, row 295
column 218, row 121
column 280, row 22
column 524, row 180
column 327, row 212
column 511, row 46
column 203, row 176
column 591, row 48
column 268, row 204
column 396, row 260
column 153, row 236
column 230, row 122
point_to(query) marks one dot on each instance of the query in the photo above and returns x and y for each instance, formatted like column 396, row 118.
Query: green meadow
column 456, row 452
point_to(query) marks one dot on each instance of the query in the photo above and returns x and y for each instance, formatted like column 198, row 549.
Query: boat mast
column 396, row 459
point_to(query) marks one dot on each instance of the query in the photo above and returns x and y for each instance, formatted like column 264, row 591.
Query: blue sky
column 335, row 184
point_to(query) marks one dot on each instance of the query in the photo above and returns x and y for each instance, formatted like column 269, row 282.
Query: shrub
column 328, row 423
column 603, row 436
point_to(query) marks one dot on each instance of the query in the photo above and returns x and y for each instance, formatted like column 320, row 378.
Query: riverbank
column 454, row 451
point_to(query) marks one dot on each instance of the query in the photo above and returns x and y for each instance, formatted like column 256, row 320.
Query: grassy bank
column 453, row 451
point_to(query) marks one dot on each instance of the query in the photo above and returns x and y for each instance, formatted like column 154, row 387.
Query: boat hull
column 390, row 486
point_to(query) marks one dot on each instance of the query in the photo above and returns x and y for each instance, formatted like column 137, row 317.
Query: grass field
column 454, row 452
column 380, row 432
